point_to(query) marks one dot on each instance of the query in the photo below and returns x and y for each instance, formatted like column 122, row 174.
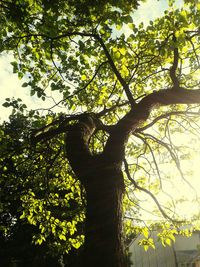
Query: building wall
column 183, row 251
column 183, row 243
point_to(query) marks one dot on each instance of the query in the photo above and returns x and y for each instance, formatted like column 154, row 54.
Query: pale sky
column 11, row 86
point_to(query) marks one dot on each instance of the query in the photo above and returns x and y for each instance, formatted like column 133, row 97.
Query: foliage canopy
column 94, row 58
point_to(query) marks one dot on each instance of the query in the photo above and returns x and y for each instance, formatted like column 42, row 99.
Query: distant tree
column 124, row 89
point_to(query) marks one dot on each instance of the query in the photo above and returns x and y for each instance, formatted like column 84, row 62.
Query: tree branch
column 165, row 116
column 51, row 130
column 78, row 90
column 131, row 121
column 107, row 54
column 117, row 73
column 172, row 71
column 61, row 125
column 147, row 192
column 119, row 133
column 153, row 157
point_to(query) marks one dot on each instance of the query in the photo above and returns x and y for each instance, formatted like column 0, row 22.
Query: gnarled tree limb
column 131, row 121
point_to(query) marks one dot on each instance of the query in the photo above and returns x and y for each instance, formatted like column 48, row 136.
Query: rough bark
column 103, row 231
column 103, row 182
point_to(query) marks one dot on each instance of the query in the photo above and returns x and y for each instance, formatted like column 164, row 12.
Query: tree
column 114, row 86
column 39, row 201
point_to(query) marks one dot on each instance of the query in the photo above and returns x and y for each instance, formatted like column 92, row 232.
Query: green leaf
column 131, row 26
column 119, row 26
column 117, row 55
column 168, row 241
column 83, row 77
column 128, row 19
column 145, row 232
column 62, row 237
column 25, row 84
column 6, row 104
column 77, row 245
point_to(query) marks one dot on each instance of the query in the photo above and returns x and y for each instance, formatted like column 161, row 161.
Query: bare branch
column 173, row 156
column 153, row 156
column 165, row 116
column 149, row 193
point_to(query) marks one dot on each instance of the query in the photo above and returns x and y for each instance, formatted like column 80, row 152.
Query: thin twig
column 149, row 193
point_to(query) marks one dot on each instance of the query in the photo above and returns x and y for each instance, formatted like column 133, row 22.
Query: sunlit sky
column 10, row 86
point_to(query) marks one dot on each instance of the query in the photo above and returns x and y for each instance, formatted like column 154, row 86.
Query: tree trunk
column 101, row 174
column 103, row 181
column 103, row 231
